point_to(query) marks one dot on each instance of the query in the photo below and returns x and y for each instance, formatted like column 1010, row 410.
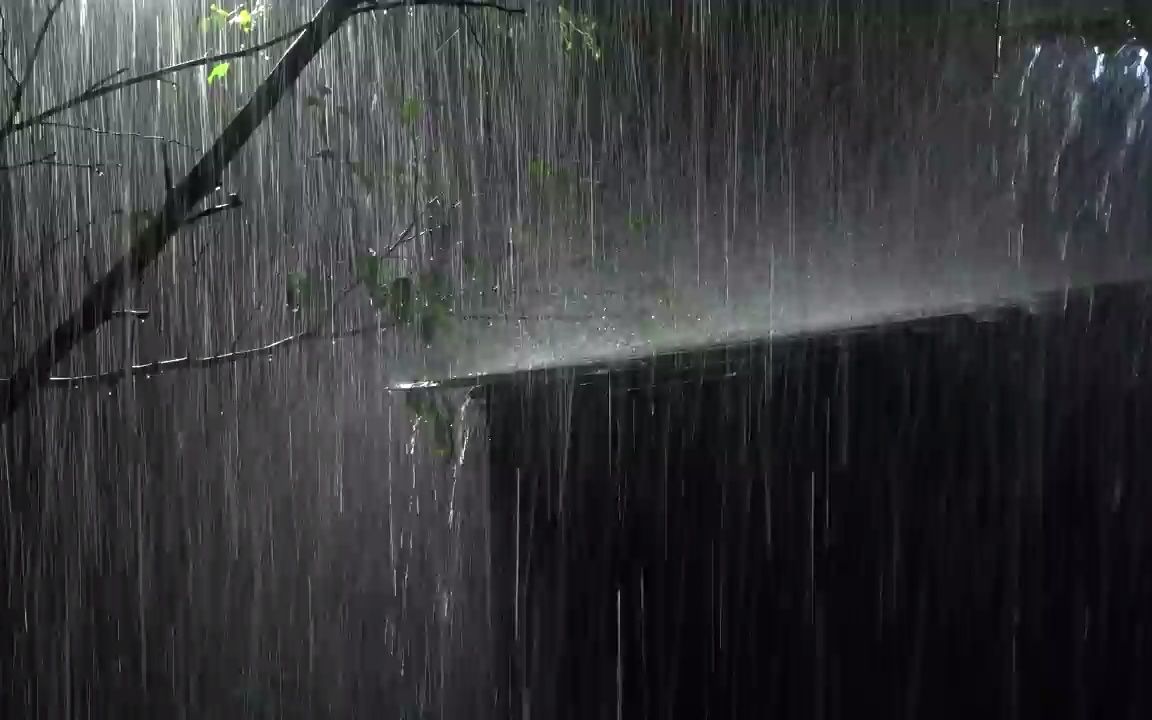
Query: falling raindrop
column 563, row 207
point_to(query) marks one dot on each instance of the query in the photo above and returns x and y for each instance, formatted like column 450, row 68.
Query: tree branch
column 46, row 252
column 28, row 163
column 22, row 84
column 133, row 313
column 102, row 297
column 113, row 133
column 50, row 160
column 101, row 89
column 104, row 87
column 3, row 49
column 106, row 78
column 462, row 4
column 232, row 202
column 202, row 363
column 158, row 367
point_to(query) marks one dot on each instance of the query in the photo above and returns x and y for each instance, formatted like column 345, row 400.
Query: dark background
column 945, row 519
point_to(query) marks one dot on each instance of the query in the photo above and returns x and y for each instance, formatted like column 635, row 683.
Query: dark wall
column 945, row 519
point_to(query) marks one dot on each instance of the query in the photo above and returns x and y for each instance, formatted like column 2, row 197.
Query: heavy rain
column 439, row 359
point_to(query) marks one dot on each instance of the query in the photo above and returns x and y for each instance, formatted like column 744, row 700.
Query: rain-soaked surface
column 233, row 489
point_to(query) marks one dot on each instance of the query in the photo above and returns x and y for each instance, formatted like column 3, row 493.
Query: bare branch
column 475, row 37
column 133, row 313
column 99, row 168
column 232, row 202
column 408, row 236
column 7, row 66
column 462, row 4
column 28, row 163
column 3, row 48
column 105, row 79
column 167, row 170
column 114, row 133
column 22, row 84
column 151, row 369
column 50, row 160
column 202, row 363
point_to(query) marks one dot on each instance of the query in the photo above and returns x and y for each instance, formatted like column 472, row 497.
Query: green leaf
column 375, row 270
column 639, row 223
column 393, row 300
column 242, row 19
column 376, row 274
column 423, row 302
column 217, row 18
column 411, row 110
column 434, row 285
column 218, row 72
column 539, row 169
column 299, row 291
column 578, row 31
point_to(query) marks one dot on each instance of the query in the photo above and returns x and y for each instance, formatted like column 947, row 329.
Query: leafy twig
column 331, row 311
column 103, row 296
column 101, row 89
